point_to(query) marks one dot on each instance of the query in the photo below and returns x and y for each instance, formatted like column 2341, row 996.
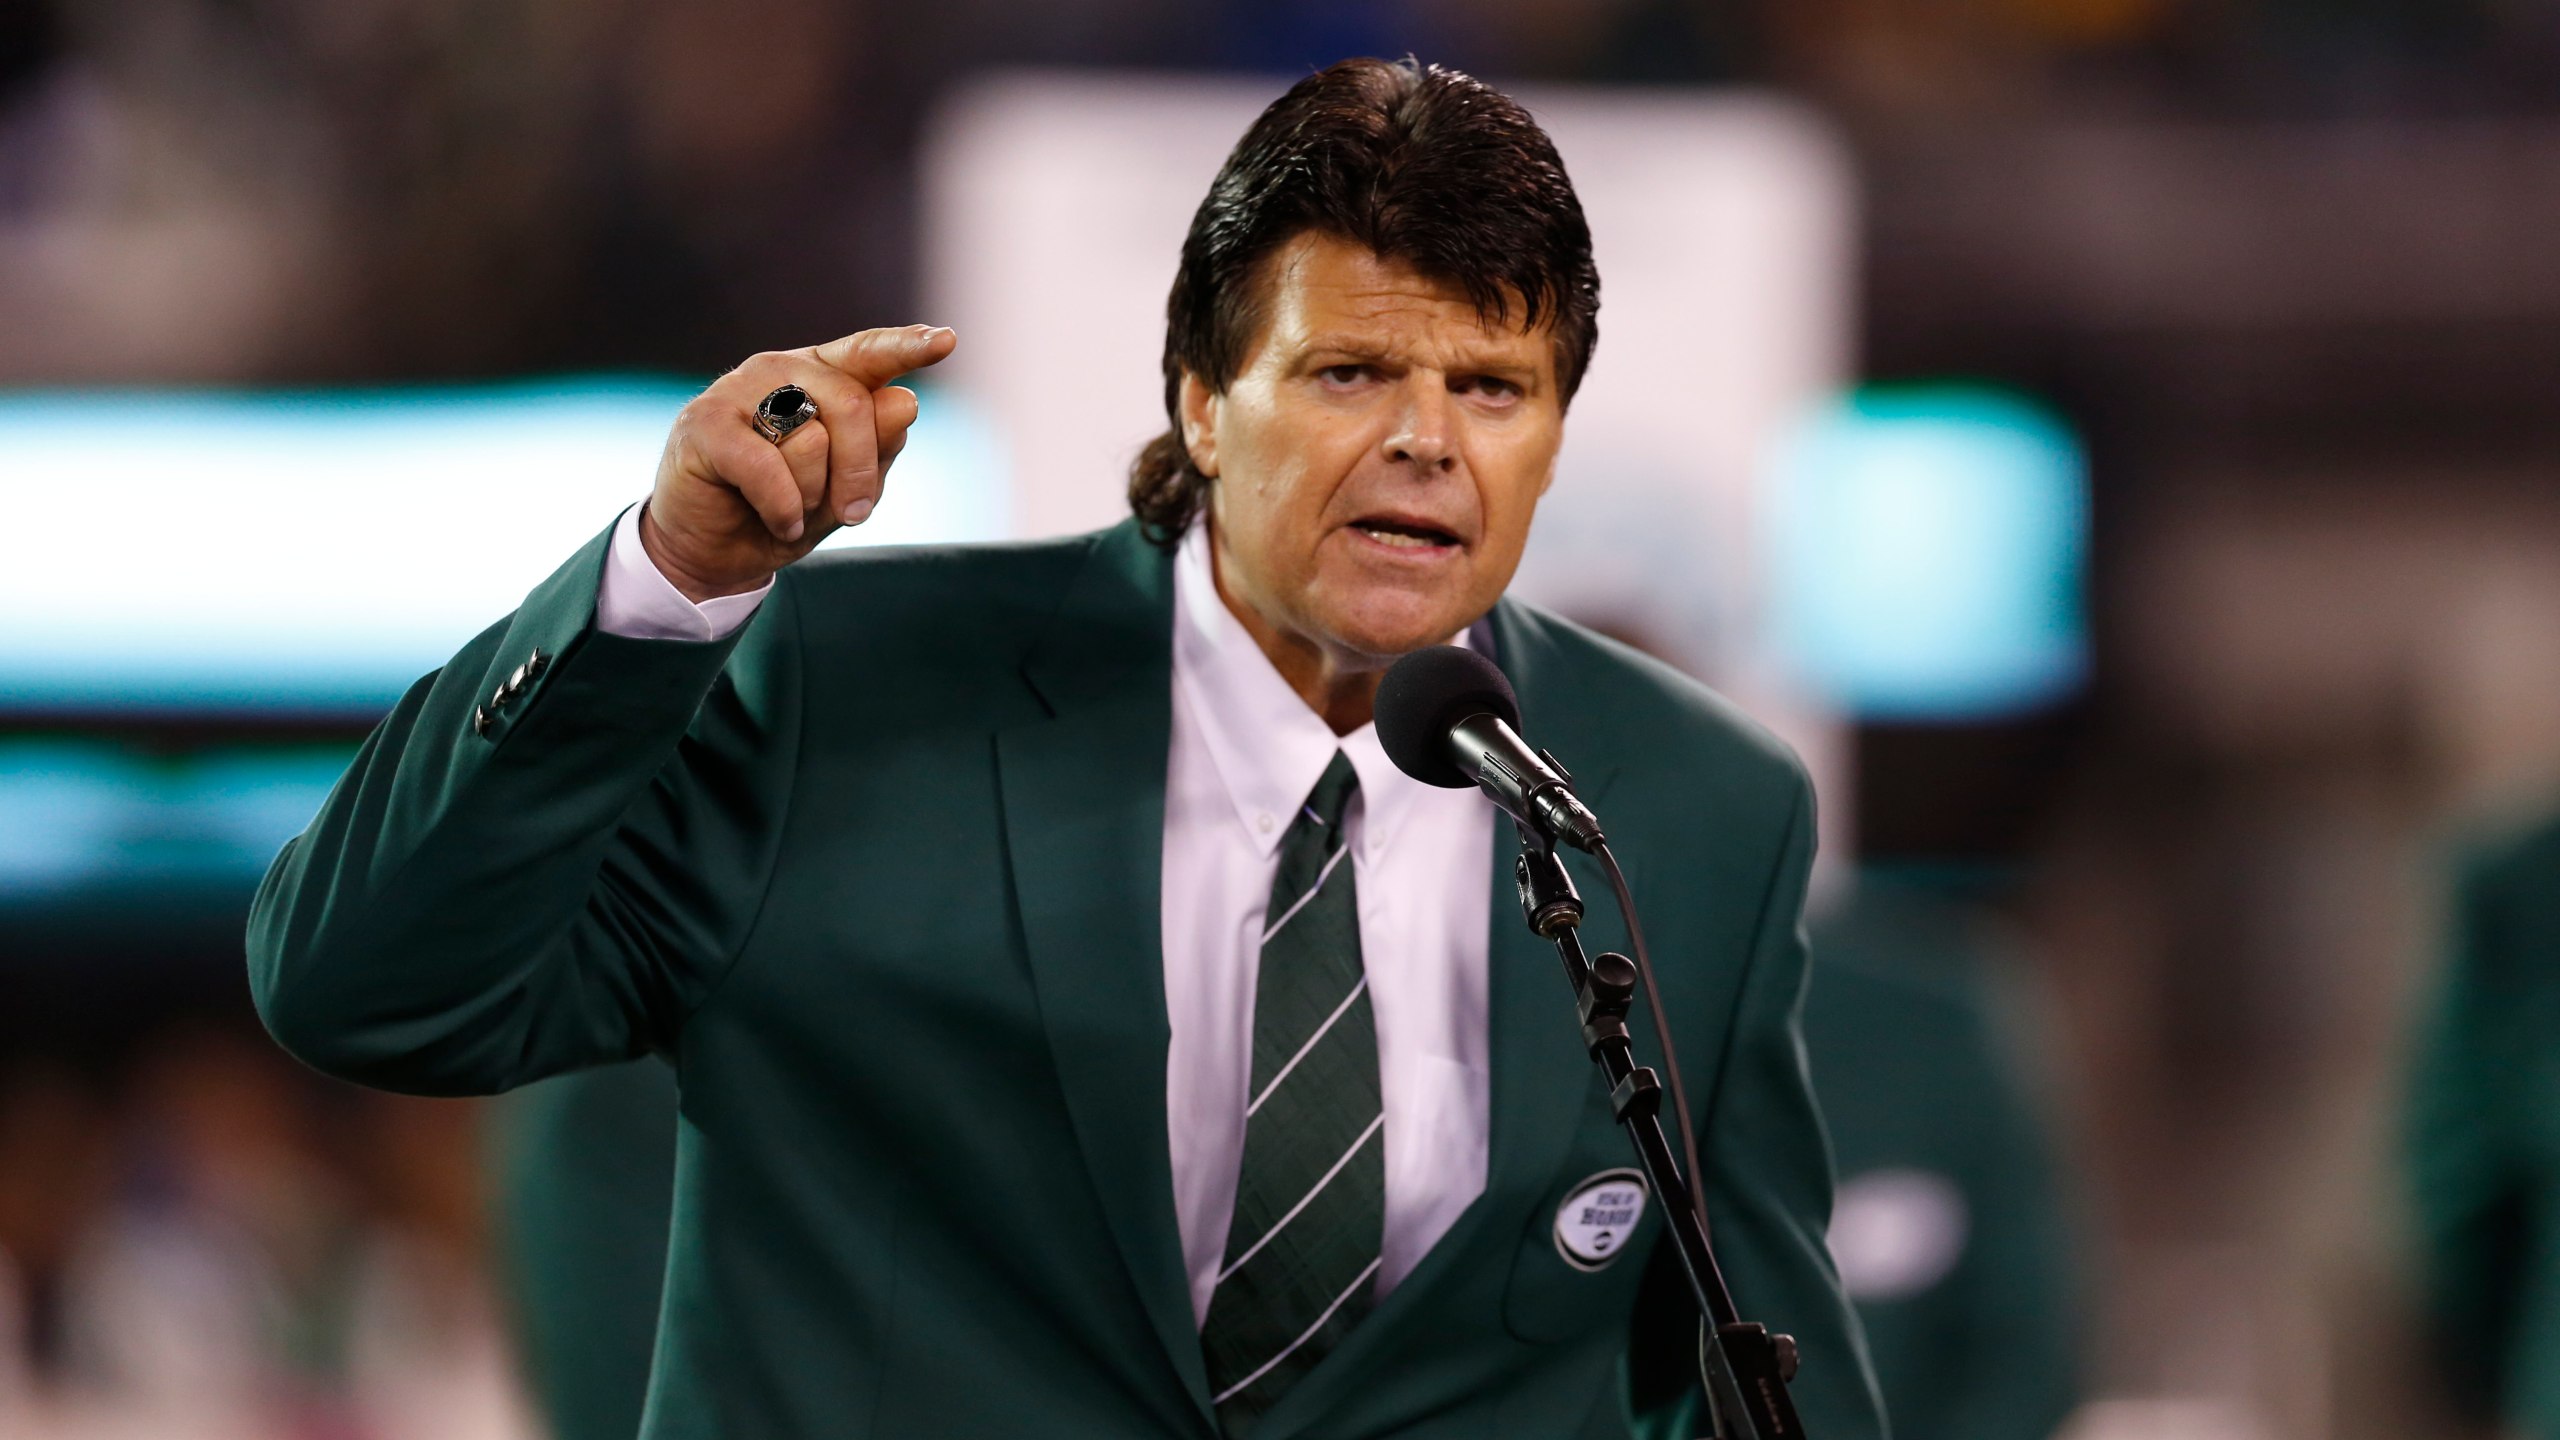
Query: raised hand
column 731, row 507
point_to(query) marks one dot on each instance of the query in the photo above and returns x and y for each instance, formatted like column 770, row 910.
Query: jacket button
column 480, row 719
column 513, row 687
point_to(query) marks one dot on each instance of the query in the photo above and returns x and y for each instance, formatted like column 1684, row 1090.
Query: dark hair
column 1420, row 165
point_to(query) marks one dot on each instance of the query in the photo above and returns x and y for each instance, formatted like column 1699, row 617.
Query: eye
column 1491, row 387
column 1344, row 374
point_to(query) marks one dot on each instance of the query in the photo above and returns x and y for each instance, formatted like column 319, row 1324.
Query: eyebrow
column 1340, row 345
column 1470, row 363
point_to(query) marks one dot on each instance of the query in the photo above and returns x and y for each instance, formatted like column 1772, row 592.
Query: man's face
column 1377, row 458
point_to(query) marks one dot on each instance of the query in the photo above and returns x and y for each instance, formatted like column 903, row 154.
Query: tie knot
column 1333, row 792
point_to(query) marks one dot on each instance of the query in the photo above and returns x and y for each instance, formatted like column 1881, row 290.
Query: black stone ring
column 785, row 410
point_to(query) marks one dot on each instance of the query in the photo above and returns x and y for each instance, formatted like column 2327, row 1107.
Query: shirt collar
column 1268, row 747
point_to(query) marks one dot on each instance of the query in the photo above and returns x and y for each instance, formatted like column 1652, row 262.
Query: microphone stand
column 1746, row 1369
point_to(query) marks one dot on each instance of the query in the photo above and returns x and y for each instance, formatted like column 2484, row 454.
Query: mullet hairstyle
column 1418, row 164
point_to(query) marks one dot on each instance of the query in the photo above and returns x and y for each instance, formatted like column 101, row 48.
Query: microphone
column 1446, row 716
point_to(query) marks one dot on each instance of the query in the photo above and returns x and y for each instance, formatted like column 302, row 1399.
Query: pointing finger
column 873, row 358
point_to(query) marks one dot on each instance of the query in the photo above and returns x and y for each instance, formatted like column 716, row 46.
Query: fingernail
column 794, row 532
column 858, row 511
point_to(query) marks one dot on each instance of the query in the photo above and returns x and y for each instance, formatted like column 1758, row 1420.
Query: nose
column 1421, row 436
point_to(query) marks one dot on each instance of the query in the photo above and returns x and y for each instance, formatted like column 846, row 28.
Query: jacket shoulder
column 917, row 637
column 927, row 637
column 2515, row 856
column 2505, row 919
column 876, row 588
column 1666, row 725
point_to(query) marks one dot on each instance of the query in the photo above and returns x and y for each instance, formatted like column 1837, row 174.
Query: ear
column 1200, row 407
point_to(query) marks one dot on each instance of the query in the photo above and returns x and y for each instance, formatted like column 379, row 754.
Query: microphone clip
column 1548, row 900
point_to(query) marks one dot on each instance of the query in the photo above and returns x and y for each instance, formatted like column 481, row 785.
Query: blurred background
column 2113, row 439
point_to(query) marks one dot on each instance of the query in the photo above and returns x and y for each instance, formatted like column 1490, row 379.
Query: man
column 1044, row 1069
column 1950, row 1232
column 2484, row 1168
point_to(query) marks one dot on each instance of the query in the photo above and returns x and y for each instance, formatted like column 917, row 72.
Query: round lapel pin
column 1596, row 1219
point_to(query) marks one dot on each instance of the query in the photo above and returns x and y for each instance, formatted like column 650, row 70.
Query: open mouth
column 1405, row 534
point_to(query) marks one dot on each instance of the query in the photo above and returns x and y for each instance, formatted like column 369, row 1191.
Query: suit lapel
column 1541, row 1078
column 1541, row 1075
column 1083, row 794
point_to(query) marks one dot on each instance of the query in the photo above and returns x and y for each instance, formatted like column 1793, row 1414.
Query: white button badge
column 1594, row 1222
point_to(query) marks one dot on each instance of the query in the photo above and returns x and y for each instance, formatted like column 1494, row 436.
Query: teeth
column 1399, row 539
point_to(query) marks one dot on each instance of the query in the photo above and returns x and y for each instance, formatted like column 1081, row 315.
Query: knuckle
column 735, row 461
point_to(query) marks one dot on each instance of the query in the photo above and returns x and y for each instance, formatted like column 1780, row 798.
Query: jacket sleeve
column 1768, row 1191
column 543, row 859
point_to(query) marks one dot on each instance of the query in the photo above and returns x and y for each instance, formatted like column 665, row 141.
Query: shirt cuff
column 636, row 601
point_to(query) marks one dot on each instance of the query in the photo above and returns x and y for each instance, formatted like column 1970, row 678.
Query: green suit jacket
column 2484, row 1137
column 1920, row 1084
column 879, row 876
column 584, row 1166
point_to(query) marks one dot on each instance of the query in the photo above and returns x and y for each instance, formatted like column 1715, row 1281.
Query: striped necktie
column 1302, row 1249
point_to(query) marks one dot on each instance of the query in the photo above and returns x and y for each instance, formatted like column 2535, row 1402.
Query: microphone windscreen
column 1428, row 692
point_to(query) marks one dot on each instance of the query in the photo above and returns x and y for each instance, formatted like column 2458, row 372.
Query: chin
column 1385, row 633
column 1379, row 614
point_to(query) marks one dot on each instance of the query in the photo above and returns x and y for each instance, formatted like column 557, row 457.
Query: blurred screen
column 315, row 551
column 1926, row 549
column 85, row 813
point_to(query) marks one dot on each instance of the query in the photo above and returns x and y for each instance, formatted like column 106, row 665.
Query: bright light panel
column 84, row 812
column 318, row 550
column 1926, row 556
